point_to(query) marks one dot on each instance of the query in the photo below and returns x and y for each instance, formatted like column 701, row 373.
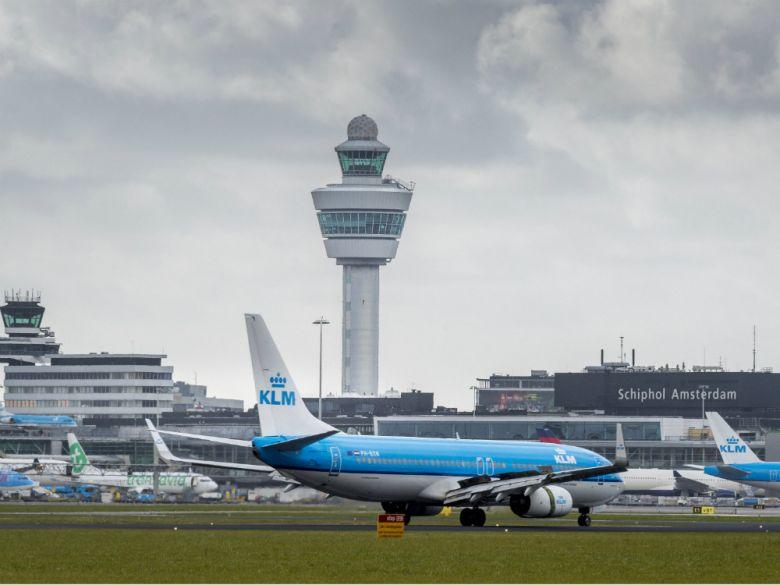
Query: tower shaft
column 360, row 329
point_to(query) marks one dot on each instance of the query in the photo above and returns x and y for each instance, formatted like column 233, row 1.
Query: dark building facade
column 671, row 393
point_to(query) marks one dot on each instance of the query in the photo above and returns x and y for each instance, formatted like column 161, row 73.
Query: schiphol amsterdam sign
column 663, row 394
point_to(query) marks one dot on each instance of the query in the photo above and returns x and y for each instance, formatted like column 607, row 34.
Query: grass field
column 121, row 556
column 164, row 555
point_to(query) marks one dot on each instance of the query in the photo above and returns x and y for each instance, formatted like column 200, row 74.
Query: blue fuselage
column 13, row 480
column 34, row 420
column 422, row 461
column 762, row 474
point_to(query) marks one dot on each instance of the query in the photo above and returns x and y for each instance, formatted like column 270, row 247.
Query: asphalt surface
column 603, row 526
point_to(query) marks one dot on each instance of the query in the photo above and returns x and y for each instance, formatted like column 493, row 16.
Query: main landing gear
column 584, row 518
column 472, row 517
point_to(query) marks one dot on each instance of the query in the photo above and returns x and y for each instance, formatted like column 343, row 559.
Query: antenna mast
column 754, row 349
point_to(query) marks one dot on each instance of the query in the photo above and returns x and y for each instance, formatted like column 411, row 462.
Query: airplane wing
column 687, row 484
column 483, row 488
column 167, row 456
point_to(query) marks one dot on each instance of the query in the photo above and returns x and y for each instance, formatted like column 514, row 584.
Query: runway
column 597, row 527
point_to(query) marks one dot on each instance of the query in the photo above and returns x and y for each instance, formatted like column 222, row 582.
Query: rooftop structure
column 361, row 220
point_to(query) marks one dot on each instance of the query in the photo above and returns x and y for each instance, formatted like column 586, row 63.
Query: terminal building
column 652, row 441
column 94, row 385
column 621, row 389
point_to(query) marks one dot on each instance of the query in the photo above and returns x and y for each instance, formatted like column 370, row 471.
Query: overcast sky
column 584, row 170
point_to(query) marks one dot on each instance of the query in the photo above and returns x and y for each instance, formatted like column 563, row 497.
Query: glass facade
column 521, row 430
column 22, row 316
column 362, row 162
column 379, row 223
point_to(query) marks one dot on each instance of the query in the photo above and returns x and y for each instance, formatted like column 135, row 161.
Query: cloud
column 584, row 171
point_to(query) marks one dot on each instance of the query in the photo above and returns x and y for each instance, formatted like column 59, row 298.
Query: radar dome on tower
column 362, row 128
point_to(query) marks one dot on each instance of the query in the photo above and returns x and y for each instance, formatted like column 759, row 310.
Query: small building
column 194, row 398
column 501, row 393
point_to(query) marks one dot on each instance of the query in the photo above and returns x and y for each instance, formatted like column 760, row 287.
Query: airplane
column 178, row 483
column 417, row 476
column 740, row 464
column 676, row 482
column 13, row 481
column 34, row 420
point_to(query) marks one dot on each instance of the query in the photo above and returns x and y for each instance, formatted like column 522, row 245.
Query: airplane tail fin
column 279, row 403
column 731, row 447
column 78, row 458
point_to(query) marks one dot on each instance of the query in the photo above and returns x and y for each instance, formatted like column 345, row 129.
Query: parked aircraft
column 740, row 463
column 168, row 482
column 34, row 420
column 13, row 481
column 415, row 476
column 676, row 482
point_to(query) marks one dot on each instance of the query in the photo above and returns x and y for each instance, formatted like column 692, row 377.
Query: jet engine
column 543, row 502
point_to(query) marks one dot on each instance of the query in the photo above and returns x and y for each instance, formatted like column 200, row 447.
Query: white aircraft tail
column 731, row 447
column 279, row 403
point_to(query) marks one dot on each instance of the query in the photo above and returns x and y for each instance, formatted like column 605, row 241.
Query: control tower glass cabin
column 361, row 220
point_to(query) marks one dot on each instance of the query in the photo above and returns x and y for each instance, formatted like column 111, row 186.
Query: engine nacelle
column 543, row 502
column 422, row 510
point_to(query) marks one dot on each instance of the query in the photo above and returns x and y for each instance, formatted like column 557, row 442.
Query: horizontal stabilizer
column 732, row 472
column 300, row 442
column 222, row 440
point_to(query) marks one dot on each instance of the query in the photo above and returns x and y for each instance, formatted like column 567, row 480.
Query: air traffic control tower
column 361, row 219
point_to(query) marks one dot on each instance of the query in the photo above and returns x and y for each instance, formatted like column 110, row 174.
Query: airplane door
column 490, row 467
column 335, row 461
column 480, row 466
column 774, row 475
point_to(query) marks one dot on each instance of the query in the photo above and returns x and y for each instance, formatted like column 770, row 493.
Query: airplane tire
column 466, row 517
column 407, row 519
column 479, row 517
column 583, row 520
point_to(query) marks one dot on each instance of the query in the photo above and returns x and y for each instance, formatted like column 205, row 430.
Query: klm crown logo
column 732, row 446
column 277, row 396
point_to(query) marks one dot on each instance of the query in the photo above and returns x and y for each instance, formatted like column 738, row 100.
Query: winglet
column 621, row 455
column 162, row 449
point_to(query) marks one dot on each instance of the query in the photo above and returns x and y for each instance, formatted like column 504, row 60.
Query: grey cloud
column 584, row 170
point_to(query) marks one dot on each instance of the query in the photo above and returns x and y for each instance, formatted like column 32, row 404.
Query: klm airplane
column 13, row 481
column 415, row 476
column 740, row 464
column 34, row 420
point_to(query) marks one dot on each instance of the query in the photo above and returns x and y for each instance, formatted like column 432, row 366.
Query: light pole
column 321, row 321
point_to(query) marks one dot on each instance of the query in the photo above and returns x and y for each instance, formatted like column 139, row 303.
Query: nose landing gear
column 472, row 517
column 584, row 517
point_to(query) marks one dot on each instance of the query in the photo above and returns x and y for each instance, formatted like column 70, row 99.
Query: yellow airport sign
column 389, row 525
column 704, row 509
